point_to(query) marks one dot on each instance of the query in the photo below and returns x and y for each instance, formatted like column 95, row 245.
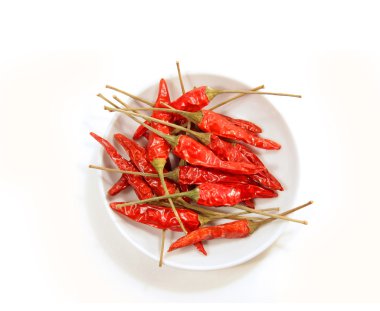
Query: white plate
column 283, row 164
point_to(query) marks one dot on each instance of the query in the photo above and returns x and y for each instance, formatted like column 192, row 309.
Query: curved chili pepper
column 140, row 131
column 231, row 230
column 162, row 218
column 137, row 155
column 119, row 186
column 142, row 189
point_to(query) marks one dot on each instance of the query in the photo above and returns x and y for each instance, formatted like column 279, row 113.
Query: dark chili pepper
column 212, row 194
column 231, row 230
column 264, row 177
column 163, row 218
column 137, row 155
column 142, row 189
column 119, row 186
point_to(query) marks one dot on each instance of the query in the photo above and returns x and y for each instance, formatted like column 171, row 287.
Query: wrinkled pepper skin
column 217, row 124
column 119, row 186
column 142, row 189
column 250, row 126
column 190, row 175
column 193, row 100
column 197, row 154
column 264, row 177
column 232, row 230
column 158, row 216
column 159, row 148
column 211, row 194
column 138, row 156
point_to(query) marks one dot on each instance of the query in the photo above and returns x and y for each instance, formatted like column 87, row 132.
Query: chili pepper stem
column 159, row 165
column 190, row 194
column 115, row 170
column 235, row 97
column 172, row 140
column 180, row 77
column 205, row 138
column 130, row 95
column 254, row 226
column 211, row 93
column 254, row 211
column 108, row 101
column 162, row 248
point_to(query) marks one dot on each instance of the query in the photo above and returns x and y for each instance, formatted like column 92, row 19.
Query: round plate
column 222, row 253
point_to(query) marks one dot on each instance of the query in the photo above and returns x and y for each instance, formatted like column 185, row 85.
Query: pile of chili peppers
column 218, row 167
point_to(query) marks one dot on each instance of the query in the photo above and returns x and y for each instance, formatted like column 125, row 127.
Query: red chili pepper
column 141, row 188
column 162, row 218
column 140, row 131
column 197, row 154
column 119, row 186
column 138, row 157
column 211, row 194
column 192, row 100
column 159, row 148
column 250, row 126
column 264, row 177
column 215, row 123
column 190, row 175
column 231, row 230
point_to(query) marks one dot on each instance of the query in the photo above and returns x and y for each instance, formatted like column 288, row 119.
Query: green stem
column 159, row 165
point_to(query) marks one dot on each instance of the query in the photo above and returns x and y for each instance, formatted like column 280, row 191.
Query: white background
column 57, row 242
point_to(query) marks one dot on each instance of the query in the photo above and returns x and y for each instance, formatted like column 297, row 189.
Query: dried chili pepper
column 212, row 194
column 250, row 126
column 264, row 177
column 232, row 230
column 142, row 189
column 119, row 186
column 215, row 123
column 194, row 152
column 138, row 156
column 160, row 217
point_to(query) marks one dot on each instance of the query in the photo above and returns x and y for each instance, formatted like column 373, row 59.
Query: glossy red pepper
column 142, row 189
column 119, row 186
column 137, row 155
column 231, row 230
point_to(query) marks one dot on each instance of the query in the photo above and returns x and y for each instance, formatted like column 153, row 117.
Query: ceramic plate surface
column 283, row 164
